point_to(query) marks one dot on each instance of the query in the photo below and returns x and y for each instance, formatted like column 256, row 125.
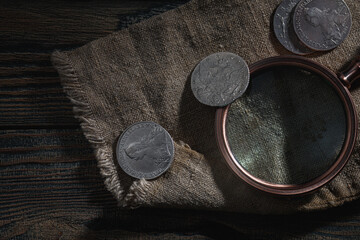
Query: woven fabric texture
column 142, row 74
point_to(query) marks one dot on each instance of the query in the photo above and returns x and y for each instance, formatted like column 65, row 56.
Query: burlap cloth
column 142, row 74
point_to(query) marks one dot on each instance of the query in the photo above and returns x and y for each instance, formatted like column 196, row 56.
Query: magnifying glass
column 294, row 128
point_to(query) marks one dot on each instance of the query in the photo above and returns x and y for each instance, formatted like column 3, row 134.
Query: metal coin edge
column 296, row 47
column 118, row 156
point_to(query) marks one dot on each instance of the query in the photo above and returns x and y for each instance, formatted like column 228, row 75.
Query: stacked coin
column 305, row 26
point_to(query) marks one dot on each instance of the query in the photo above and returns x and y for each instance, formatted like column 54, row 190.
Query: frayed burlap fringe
column 69, row 80
column 83, row 113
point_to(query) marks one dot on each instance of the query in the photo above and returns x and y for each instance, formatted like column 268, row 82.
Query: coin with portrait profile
column 284, row 30
column 322, row 24
column 219, row 79
column 145, row 150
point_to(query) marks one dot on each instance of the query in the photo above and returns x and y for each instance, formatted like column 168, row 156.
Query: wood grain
column 31, row 93
column 50, row 186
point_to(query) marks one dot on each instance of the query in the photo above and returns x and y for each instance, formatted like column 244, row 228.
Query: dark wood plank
column 43, row 146
column 30, row 92
column 45, row 25
column 48, row 174
column 50, row 187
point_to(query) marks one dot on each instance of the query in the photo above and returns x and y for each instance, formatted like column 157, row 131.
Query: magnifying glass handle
column 351, row 74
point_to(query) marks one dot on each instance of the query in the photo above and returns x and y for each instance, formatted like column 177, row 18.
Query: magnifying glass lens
column 289, row 127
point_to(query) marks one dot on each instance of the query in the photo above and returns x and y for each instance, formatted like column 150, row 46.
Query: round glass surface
column 288, row 128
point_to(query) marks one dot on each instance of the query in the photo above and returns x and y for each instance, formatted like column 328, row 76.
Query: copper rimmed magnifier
column 294, row 128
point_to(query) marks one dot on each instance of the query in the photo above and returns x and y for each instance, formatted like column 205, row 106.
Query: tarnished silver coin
column 145, row 150
column 219, row 79
column 322, row 24
column 284, row 30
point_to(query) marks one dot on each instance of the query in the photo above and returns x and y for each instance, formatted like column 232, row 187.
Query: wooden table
column 50, row 186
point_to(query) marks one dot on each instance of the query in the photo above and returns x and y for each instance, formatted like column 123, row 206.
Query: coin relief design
column 330, row 22
column 145, row 150
column 283, row 28
column 322, row 24
column 219, row 79
column 154, row 146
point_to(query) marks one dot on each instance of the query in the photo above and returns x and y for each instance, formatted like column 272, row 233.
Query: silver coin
column 145, row 150
column 322, row 24
column 284, row 30
column 219, row 79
